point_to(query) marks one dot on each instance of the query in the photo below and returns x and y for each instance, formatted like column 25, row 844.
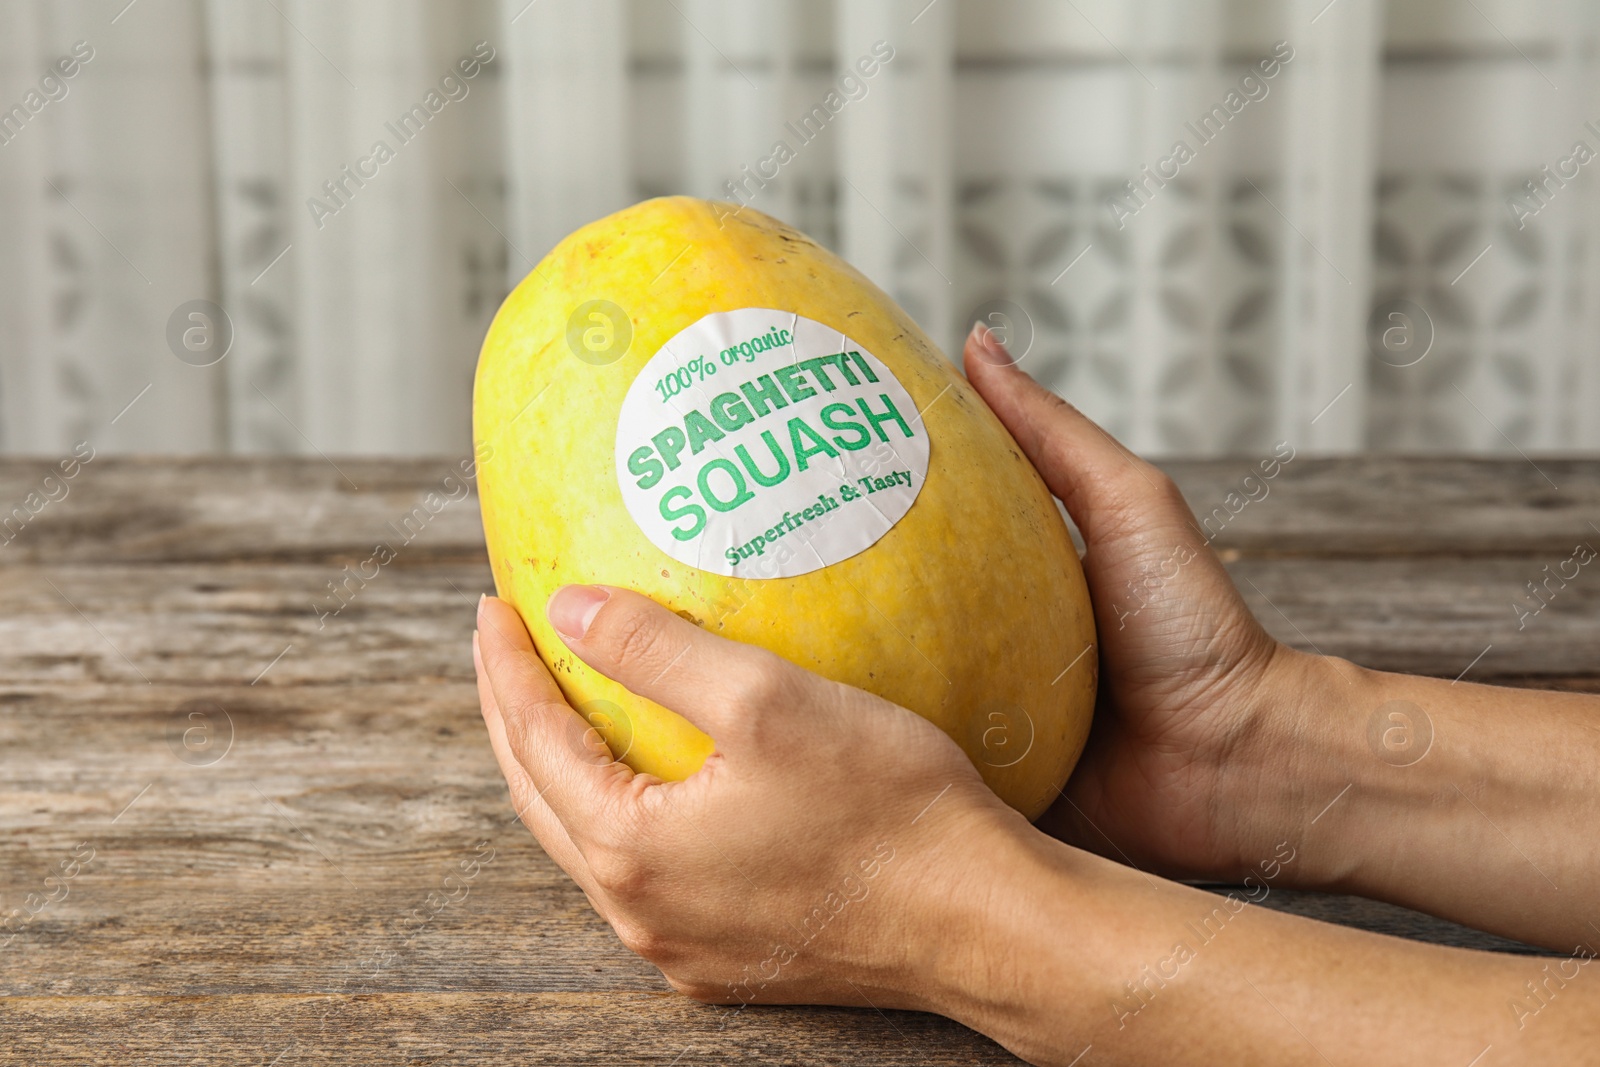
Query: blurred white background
column 1376, row 174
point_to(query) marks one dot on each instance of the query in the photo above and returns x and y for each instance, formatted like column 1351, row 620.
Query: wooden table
column 283, row 808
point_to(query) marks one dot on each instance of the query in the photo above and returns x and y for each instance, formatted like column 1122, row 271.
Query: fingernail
column 482, row 597
column 573, row 608
column 992, row 348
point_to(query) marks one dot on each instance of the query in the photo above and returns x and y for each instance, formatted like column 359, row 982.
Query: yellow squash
column 969, row 608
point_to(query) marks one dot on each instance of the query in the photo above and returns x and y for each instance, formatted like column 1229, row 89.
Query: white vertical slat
column 1572, row 387
column 1330, row 91
column 30, row 414
column 567, row 123
column 1157, row 120
column 741, row 69
column 1205, row 26
column 866, row 141
column 470, row 191
column 899, row 134
column 924, row 92
column 370, row 280
column 129, row 151
column 254, row 201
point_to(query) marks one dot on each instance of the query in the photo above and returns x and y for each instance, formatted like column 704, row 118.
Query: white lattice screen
column 972, row 173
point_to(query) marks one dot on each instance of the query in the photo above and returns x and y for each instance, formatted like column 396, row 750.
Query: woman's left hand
column 835, row 848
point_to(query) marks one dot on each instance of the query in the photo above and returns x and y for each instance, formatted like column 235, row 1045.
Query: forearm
column 1475, row 803
column 1076, row 952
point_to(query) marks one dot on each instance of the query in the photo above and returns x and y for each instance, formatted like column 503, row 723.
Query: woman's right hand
column 1170, row 780
column 1216, row 750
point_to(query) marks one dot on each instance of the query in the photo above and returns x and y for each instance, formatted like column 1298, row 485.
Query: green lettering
column 794, row 383
column 763, row 394
column 694, row 512
column 802, row 453
column 890, row 414
column 838, row 360
column 833, row 417
column 730, row 412
column 862, row 363
column 701, row 431
column 741, row 492
column 815, row 367
column 777, row 454
column 669, row 443
column 643, row 464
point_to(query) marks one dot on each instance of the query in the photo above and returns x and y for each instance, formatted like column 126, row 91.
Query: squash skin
column 967, row 611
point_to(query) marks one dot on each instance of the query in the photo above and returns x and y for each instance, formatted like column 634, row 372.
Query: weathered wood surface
column 644, row 1028
column 281, row 889
column 283, row 510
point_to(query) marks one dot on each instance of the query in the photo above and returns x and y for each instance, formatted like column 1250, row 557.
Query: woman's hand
column 1213, row 743
column 1187, row 674
column 822, row 855
column 839, row 849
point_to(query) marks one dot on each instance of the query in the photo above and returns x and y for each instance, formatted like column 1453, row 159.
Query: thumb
column 724, row 687
column 1108, row 491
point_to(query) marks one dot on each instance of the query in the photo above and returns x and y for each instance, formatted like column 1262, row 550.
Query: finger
column 1105, row 487
column 1126, row 508
column 531, row 807
column 719, row 685
column 548, row 739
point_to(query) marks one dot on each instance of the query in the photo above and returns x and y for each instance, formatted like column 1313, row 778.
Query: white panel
column 895, row 145
column 374, row 278
column 254, row 204
column 1572, row 387
column 184, row 160
column 33, row 283
column 568, row 130
column 868, row 237
column 127, row 158
column 1331, row 92
column 742, row 89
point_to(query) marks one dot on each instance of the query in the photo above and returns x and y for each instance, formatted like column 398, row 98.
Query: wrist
column 1015, row 940
column 1301, row 756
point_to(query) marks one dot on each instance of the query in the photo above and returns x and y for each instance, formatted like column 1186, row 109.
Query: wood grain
column 653, row 1029
column 276, row 892
column 129, row 510
column 225, row 623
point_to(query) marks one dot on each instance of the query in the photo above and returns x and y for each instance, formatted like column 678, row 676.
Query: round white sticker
column 763, row 444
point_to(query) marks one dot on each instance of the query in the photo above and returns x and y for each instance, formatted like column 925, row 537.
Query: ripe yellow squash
column 701, row 403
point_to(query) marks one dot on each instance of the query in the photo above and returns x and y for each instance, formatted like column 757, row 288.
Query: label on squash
column 763, row 444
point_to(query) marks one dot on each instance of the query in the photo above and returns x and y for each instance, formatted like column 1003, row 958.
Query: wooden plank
column 304, row 509
column 642, row 1029
column 225, row 623
column 169, row 509
column 1430, row 615
column 1370, row 506
column 333, row 839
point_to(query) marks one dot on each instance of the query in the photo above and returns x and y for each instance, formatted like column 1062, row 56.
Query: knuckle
column 524, row 709
column 531, row 719
column 706, row 992
column 642, row 939
column 636, row 637
column 618, row 872
column 1167, row 488
column 755, row 687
